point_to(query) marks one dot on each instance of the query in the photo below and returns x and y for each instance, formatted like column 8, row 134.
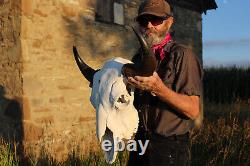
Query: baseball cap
column 159, row 8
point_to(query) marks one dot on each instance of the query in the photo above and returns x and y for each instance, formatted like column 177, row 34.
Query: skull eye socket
column 122, row 99
column 122, row 103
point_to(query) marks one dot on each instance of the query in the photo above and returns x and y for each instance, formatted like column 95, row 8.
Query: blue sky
column 226, row 33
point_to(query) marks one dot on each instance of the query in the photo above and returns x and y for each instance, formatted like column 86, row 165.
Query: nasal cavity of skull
column 122, row 99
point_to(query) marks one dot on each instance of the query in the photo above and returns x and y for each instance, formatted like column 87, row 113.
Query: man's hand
column 187, row 105
column 151, row 84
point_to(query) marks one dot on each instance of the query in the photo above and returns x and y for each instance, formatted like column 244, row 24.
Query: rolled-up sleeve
column 189, row 74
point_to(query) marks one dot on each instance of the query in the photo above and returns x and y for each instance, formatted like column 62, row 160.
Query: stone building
column 44, row 100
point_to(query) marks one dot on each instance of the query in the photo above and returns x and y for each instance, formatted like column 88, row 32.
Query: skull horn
column 147, row 64
column 86, row 71
column 143, row 43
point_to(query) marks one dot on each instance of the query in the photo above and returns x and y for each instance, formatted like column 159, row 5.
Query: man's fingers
column 136, row 83
column 132, row 81
column 140, row 79
column 155, row 74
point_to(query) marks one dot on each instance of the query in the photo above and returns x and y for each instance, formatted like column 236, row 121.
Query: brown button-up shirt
column 180, row 70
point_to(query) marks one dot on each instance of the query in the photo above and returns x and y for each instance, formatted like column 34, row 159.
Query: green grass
column 8, row 155
column 224, row 139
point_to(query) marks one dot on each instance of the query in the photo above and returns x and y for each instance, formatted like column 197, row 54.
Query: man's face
column 154, row 28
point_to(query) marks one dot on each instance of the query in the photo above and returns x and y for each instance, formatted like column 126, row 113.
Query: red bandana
column 159, row 47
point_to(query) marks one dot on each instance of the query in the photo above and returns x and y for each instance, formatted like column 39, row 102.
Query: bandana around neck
column 159, row 47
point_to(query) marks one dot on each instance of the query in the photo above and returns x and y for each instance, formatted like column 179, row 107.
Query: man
column 169, row 100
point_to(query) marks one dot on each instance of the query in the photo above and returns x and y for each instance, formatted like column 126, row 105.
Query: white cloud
column 226, row 43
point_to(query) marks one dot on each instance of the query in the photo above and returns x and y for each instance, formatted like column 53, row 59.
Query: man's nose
column 149, row 25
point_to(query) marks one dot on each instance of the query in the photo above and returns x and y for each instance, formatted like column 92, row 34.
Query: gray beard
column 153, row 39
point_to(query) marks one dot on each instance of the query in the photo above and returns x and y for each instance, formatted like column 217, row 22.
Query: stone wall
column 10, row 70
column 56, row 94
column 38, row 74
column 188, row 28
column 10, row 48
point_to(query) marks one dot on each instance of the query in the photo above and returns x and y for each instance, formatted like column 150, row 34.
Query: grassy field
column 223, row 140
column 225, row 136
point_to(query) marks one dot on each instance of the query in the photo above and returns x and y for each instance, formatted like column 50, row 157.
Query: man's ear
column 170, row 20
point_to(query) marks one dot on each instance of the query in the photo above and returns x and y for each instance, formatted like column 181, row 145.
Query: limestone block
column 14, row 53
column 41, row 110
column 37, row 43
column 32, row 86
column 57, row 100
column 70, row 12
column 85, row 119
column 65, row 87
column 27, row 7
column 37, row 102
column 48, row 120
column 40, row 13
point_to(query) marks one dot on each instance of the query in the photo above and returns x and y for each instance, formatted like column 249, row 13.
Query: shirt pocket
column 168, row 77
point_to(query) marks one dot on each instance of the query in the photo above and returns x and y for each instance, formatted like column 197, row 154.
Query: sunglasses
column 154, row 20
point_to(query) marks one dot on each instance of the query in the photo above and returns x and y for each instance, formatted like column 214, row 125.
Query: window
column 110, row 11
column 118, row 14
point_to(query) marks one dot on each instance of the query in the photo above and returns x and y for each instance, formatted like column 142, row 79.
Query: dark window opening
column 110, row 11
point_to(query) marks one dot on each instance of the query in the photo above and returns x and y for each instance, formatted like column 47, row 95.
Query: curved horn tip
column 75, row 50
column 87, row 71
